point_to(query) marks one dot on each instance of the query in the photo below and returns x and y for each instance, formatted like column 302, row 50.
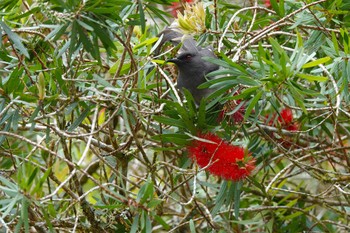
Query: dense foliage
column 94, row 136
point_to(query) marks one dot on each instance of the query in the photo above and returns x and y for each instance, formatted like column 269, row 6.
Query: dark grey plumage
column 192, row 69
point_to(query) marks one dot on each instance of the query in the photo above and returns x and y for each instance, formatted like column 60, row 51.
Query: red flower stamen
column 286, row 116
column 220, row 158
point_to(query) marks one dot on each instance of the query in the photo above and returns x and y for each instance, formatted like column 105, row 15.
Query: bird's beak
column 173, row 60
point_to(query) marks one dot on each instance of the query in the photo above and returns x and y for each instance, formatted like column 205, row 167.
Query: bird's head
column 186, row 60
column 192, row 61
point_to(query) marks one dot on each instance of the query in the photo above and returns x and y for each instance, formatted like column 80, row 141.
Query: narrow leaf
column 32, row 176
column 237, row 195
column 80, row 119
column 32, row 117
column 313, row 77
column 252, row 104
column 335, row 43
column 146, row 42
column 142, row 16
column 316, row 62
column 220, row 198
column 15, row 39
column 24, row 214
column 169, row 121
column 192, row 226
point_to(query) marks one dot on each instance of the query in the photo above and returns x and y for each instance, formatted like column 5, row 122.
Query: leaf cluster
column 93, row 132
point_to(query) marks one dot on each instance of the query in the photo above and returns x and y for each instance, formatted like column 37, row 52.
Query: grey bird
column 192, row 69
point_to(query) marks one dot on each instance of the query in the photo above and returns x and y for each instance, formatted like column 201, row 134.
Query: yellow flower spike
column 192, row 21
column 184, row 24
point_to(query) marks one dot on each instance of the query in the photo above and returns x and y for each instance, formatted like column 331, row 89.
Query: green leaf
column 345, row 37
column 148, row 223
column 9, row 185
column 27, row 13
column 6, row 209
column 9, row 4
column 31, row 177
column 252, row 104
column 233, row 65
column 335, row 43
column 19, row 226
column 62, row 84
column 310, row 77
column 146, row 192
column 68, row 110
column 192, row 226
column 15, row 120
column 62, row 50
column 57, row 32
column 43, row 178
column 145, row 43
column 281, row 7
column 316, row 62
column 248, row 81
column 87, row 43
column 7, row 127
column 244, row 93
column 78, row 121
column 217, row 61
column 220, row 91
column 299, row 43
column 16, row 40
column 84, row 25
column 48, row 220
column 13, row 82
column 159, row 13
column 102, row 34
column 276, row 45
column 297, row 96
column 162, row 222
column 142, row 16
column 102, row 81
column 32, row 117
column 179, row 139
column 220, row 198
column 126, row 117
column 298, row 213
column 237, row 194
column 135, row 223
column 154, row 203
column 74, row 43
column 275, row 6
column 56, row 29
column 202, row 114
column 2, row 104
column 169, row 121
column 24, row 214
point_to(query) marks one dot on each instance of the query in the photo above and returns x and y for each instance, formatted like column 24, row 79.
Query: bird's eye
column 188, row 57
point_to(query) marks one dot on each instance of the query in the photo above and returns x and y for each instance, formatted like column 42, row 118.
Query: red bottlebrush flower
column 286, row 116
column 220, row 158
column 267, row 3
column 292, row 127
column 285, row 120
column 237, row 116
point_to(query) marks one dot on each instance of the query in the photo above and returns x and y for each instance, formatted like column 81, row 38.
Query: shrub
column 95, row 137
